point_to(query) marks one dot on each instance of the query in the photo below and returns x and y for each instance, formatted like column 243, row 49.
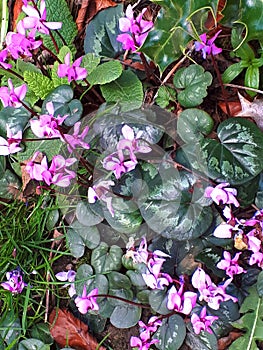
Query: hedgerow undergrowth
column 135, row 155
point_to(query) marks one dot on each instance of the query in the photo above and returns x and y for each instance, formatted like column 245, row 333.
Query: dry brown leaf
column 210, row 22
column 234, row 107
column 89, row 8
column 223, row 343
column 251, row 109
column 67, row 330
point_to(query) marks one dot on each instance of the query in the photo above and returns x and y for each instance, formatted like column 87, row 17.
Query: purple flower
column 19, row 45
column 77, row 139
column 153, row 277
column 58, row 174
column 3, row 56
column 131, row 143
column 181, row 302
column 11, row 145
column 230, row 265
column 143, row 342
column 202, row 322
column 141, row 254
column 207, row 46
column 136, row 30
column 101, row 191
column 36, row 20
column 87, row 302
column 12, row 96
column 222, row 193
column 47, row 125
column 256, row 258
column 74, row 71
column 209, row 292
column 116, row 163
column 14, row 283
column 70, row 277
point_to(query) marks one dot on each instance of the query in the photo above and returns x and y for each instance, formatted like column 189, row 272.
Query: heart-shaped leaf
column 125, row 316
column 89, row 214
column 102, row 32
column 105, row 259
column 194, row 80
column 16, row 118
column 64, row 104
column 237, row 156
column 32, row 344
column 193, row 124
column 171, row 333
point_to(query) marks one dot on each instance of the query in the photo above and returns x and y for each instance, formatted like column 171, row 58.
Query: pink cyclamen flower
column 68, row 276
column 180, row 301
column 132, row 143
column 207, row 46
column 153, row 277
column 3, row 56
column 87, row 302
column 222, row 194
column 14, row 283
column 136, row 30
column 139, row 255
column 11, row 145
column 202, row 322
column 74, row 71
column 101, row 191
column 12, row 96
column 58, row 172
column 36, row 19
column 47, row 125
column 35, row 168
column 116, row 163
column 20, row 45
column 77, row 139
column 144, row 341
column 209, row 292
column 230, row 265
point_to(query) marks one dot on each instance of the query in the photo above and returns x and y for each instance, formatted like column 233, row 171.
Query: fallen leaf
column 234, row 107
column 15, row 8
column 223, row 343
column 210, row 22
column 251, row 109
column 89, row 8
column 67, row 330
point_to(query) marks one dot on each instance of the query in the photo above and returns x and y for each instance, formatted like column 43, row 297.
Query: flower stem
column 122, row 299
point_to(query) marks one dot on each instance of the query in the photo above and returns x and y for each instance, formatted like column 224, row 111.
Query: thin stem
column 9, row 70
column 221, row 84
column 245, row 88
column 51, row 53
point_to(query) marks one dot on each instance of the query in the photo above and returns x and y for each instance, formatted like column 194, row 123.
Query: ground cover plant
column 131, row 175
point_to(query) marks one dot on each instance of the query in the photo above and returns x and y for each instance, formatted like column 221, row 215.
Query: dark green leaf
column 41, row 332
column 10, row 328
column 125, row 316
column 165, row 95
column 52, row 219
column 105, row 259
column 102, row 32
column 32, row 344
column 237, row 157
column 118, row 281
column 193, row 124
column 64, row 104
column 194, row 80
column 171, row 334
column 260, row 284
column 89, row 234
column 2, row 165
column 126, row 90
column 58, row 11
column 158, row 301
column 75, row 243
column 86, row 215
column 232, row 72
column 16, row 118
column 252, row 79
column 9, row 185
column 173, row 31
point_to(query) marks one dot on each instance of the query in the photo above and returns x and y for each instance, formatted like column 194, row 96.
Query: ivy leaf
column 105, row 73
column 102, row 31
column 194, row 80
column 172, row 30
column 58, row 11
column 105, row 258
column 193, row 124
column 39, row 83
column 171, row 333
column 236, row 157
column 126, row 90
column 251, row 322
